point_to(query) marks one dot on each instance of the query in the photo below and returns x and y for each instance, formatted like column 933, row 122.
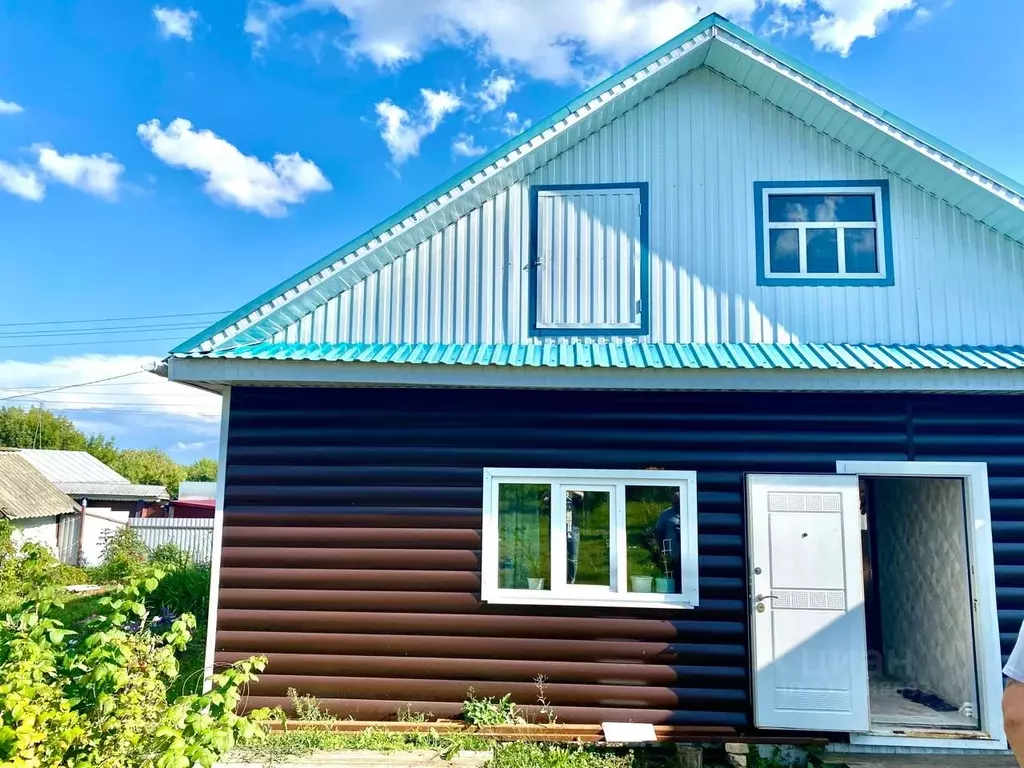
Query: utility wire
column 82, row 384
column 94, row 341
column 97, row 331
column 110, row 319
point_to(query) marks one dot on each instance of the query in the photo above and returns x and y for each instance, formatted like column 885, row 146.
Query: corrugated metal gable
column 700, row 144
column 70, row 466
column 904, row 151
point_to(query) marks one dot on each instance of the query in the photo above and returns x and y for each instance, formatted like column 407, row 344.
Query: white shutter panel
column 808, row 635
column 588, row 259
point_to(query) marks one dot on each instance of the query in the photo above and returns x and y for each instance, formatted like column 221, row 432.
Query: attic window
column 588, row 259
column 823, row 233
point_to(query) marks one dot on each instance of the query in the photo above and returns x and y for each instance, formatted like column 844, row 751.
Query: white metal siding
column 194, row 535
column 588, row 258
column 701, row 143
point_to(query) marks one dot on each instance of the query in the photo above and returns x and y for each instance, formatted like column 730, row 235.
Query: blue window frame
column 588, row 260
column 823, row 233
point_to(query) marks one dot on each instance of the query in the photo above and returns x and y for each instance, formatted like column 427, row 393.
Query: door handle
column 766, row 597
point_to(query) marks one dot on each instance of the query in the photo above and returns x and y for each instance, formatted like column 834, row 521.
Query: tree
column 39, row 428
column 150, row 467
column 202, row 470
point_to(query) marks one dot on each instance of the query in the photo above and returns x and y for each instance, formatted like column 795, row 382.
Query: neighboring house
column 695, row 398
column 32, row 503
column 107, row 498
column 190, row 490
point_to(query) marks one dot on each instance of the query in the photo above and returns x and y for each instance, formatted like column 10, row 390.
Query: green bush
column 124, row 556
column 477, row 711
column 170, row 557
column 97, row 697
column 185, row 589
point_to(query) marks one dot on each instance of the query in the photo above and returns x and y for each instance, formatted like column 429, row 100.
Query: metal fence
column 194, row 535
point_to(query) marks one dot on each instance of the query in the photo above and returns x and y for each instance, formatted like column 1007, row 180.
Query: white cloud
column 232, row 177
column 843, row 22
column 10, row 107
column 565, row 40
column 403, row 133
column 465, row 146
column 95, row 174
column 495, row 92
column 513, row 126
column 175, row 22
column 181, row 446
column 21, row 181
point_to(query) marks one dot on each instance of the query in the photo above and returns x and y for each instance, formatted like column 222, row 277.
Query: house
column 699, row 398
column 107, row 499
column 31, row 502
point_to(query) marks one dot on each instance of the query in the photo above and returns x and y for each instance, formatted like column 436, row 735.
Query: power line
column 98, row 331
column 87, row 403
column 81, row 384
column 94, row 341
column 110, row 319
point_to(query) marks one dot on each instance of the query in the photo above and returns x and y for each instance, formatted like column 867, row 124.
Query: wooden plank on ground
column 361, row 758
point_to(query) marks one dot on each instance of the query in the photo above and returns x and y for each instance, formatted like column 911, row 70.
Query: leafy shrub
column 124, row 556
column 170, row 557
column 97, row 697
column 185, row 589
column 477, row 711
column 308, row 708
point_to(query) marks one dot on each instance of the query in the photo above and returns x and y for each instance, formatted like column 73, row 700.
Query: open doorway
column 922, row 657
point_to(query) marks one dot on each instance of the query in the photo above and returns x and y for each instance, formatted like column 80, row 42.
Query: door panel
column 808, row 630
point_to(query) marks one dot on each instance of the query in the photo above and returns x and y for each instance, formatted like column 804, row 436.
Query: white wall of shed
column 41, row 530
column 98, row 524
column 701, row 143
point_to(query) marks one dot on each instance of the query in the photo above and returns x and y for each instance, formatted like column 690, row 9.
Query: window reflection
column 588, row 537
column 524, row 536
column 653, row 544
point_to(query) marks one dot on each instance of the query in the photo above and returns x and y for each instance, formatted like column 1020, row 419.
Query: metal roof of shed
column 906, row 151
column 71, row 466
column 114, row 491
column 25, row 493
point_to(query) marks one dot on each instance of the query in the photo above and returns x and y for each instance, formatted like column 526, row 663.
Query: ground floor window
column 590, row 537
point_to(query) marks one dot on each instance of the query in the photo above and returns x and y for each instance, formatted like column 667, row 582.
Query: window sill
column 872, row 281
column 526, row 597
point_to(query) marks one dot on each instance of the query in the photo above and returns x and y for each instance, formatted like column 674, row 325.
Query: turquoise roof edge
column 749, row 355
column 709, row 21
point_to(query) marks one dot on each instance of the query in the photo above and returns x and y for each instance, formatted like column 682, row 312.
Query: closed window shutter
column 588, row 259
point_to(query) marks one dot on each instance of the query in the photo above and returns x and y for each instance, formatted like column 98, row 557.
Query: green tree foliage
column 150, row 467
column 203, row 470
column 39, row 428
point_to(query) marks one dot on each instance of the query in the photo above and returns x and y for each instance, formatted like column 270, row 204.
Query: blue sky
column 173, row 159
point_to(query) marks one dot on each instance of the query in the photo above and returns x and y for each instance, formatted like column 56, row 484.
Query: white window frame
column 617, row 595
column 802, row 227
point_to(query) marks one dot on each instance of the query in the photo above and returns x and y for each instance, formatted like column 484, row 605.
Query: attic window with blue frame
column 823, row 233
column 590, row 537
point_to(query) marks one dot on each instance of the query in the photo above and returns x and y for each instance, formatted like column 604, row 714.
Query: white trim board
column 332, row 373
column 218, row 539
column 983, row 589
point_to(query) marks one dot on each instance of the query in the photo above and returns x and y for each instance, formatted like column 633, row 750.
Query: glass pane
column 588, row 538
column 821, row 208
column 823, row 251
column 784, row 251
column 652, row 539
column 524, row 536
column 861, row 251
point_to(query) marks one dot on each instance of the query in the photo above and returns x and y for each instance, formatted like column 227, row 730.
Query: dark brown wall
column 352, row 538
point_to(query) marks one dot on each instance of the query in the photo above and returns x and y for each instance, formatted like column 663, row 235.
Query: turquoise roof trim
column 790, row 357
column 712, row 21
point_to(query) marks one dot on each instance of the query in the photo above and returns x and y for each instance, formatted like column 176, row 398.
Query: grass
column 279, row 746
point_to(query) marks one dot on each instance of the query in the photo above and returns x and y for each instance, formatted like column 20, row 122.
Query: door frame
column 988, row 653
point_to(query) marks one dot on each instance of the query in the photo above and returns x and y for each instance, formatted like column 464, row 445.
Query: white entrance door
column 808, row 635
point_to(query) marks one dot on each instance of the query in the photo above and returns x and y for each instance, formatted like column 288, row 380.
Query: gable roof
column 25, row 493
column 82, row 475
column 70, row 466
column 904, row 150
